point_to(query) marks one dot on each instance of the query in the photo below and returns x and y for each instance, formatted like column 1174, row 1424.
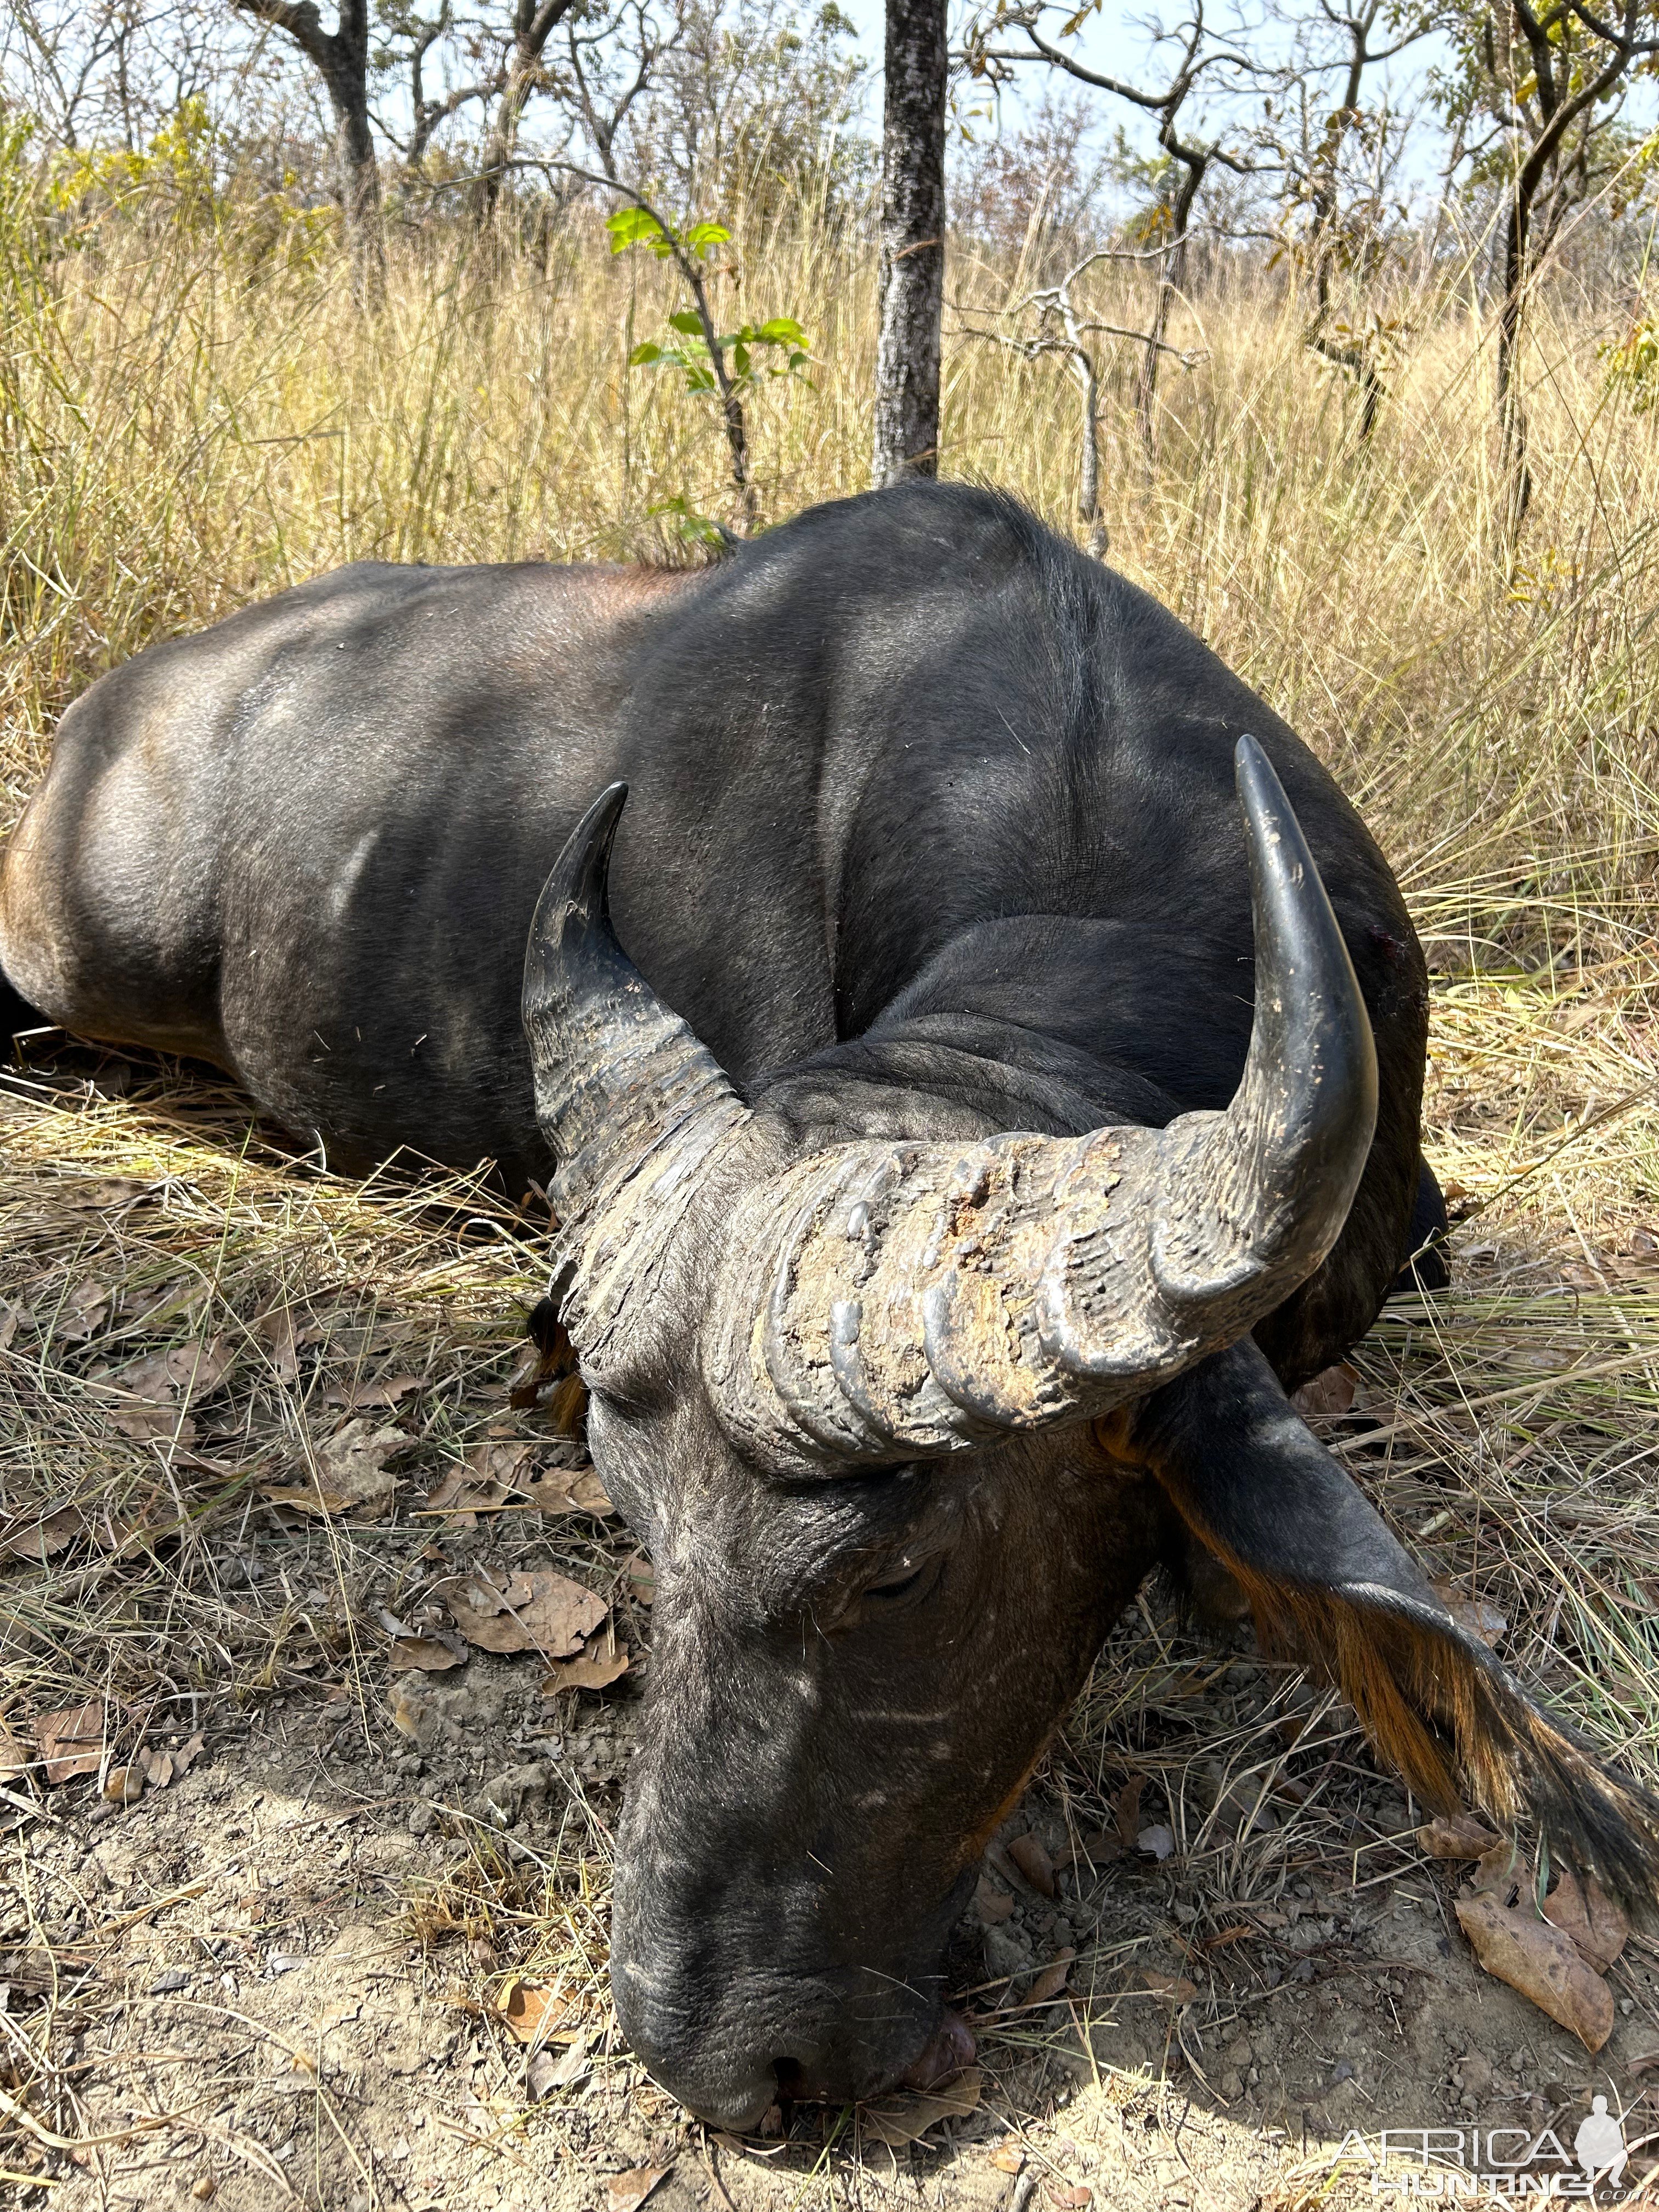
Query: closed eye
column 907, row 1578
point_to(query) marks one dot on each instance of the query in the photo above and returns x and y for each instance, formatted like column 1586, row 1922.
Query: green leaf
column 740, row 357
column 630, row 226
column 694, row 527
column 643, row 355
column 781, row 329
column 688, row 320
column 704, row 237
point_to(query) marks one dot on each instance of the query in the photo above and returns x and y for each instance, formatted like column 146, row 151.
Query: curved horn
column 628, row 1099
column 914, row 1298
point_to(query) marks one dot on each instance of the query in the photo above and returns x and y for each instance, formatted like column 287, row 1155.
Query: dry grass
column 180, row 435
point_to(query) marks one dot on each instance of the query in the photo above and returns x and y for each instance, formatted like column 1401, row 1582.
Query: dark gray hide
column 931, row 855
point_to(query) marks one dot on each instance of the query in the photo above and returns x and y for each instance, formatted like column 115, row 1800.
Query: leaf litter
column 351, row 1474
column 523, row 1610
column 1556, row 1960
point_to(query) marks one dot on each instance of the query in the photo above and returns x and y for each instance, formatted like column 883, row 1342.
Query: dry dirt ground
column 319, row 1930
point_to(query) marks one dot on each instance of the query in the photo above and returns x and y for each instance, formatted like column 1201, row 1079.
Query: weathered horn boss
column 884, row 1301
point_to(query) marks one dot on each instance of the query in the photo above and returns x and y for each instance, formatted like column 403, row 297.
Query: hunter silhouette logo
column 1599, row 2145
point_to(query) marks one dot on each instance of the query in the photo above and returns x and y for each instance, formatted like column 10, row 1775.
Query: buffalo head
column 893, row 1402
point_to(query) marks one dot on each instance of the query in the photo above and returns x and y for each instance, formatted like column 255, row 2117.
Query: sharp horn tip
column 1260, row 791
column 579, row 879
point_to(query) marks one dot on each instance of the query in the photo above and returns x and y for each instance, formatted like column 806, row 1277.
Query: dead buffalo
column 1006, row 1121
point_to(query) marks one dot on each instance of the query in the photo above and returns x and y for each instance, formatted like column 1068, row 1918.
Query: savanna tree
column 1337, row 150
column 915, row 87
column 1536, row 94
column 341, row 59
column 1021, row 33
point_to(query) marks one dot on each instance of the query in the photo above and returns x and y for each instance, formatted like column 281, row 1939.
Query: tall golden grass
column 186, row 428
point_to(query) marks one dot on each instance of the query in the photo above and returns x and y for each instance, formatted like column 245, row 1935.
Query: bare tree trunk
column 1172, row 276
column 532, row 25
column 1088, row 490
column 359, row 175
column 1511, row 414
column 341, row 59
column 911, row 242
column 1565, row 91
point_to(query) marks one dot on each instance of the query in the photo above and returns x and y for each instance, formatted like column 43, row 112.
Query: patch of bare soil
column 303, row 1971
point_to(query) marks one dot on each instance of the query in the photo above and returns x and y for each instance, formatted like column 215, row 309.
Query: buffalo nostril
column 947, row 2050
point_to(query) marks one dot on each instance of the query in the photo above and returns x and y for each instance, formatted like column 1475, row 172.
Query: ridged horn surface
column 629, row 1100
column 882, row 1301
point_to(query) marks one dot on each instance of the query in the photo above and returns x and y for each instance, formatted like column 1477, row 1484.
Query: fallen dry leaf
column 14, row 1760
column 626, row 2192
column 1030, row 1856
column 199, row 1366
column 531, row 2011
column 1158, row 1841
column 428, row 1653
column 992, row 1906
column 603, row 1662
column 10, row 1318
column 124, row 1785
column 1070, row 2198
column 1543, row 1963
column 1175, row 1988
column 1594, row 1921
column 1126, row 1817
column 1497, row 1872
column 641, row 1579
column 37, row 1541
column 380, row 1395
column 567, row 1490
column 1473, row 1613
column 85, row 1312
column 547, row 2071
column 896, row 2121
column 1327, row 1396
column 351, row 1474
column 71, row 1741
column 275, row 1330
column 1467, row 1837
column 537, row 1611
column 1008, row 2158
column 1051, row 1981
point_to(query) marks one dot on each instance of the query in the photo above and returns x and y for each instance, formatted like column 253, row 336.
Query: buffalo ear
column 1327, row 1583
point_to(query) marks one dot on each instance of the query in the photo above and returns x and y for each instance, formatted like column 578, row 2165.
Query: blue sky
column 1116, row 39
